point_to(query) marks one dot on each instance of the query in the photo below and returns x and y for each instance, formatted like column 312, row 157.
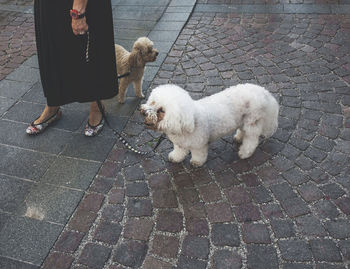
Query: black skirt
column 65, row 75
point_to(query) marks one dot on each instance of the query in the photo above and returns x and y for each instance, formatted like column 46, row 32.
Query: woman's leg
column 48, row 112
column 95, row 115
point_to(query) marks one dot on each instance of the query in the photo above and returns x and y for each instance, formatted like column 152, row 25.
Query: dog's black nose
column 157, row 53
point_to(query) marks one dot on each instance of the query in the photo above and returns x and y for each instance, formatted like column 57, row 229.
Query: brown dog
column 133, row 63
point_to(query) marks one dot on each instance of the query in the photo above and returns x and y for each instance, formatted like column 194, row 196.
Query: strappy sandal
column 34, row 129
column 91, row 130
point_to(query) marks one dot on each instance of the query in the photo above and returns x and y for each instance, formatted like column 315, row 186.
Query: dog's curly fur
column 134, row 63
column 248, row 109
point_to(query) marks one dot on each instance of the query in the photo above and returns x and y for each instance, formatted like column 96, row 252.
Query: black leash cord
column 121, row 138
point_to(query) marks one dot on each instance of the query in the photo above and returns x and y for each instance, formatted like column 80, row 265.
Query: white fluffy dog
column 133, row 63
column 248, row 109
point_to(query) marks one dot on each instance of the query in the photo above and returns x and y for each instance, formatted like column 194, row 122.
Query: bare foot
column 46, row 114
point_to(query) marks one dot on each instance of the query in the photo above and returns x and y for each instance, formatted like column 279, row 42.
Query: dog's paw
column 121, row 100
column 244, row 154
column 174, row 157
column 196, row 163
column 142, row 96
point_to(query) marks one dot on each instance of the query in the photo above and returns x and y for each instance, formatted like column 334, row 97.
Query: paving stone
column 329, row 266
column 326, row 209
column 295, row 207
column 19, row 162
column 116, row 196
column 197, row 226
column 260, row 194
column 102, row 185
column 165, row 246
column 51, row 203
column 82, row 221
column 92, row 202
column 261, row 257
column 220, row 212
column 210, row 193
column 139, row 207
column 325, row 250
column 164, row 199
column 247, row 213
column 283, row 191
column 227, row 179
column 69, row 241
column 250, row 180
column 256, row 233
column 108, row 232
column 28, row 240
column 159, row 181
column 190, row 263
column 227, row 259
column 94, row 255
column 151, row 263
column 195, row 247
column 237, row 195
column 310, row 225
column 295, row 250
column 339, row 228
column 332, row 190
column 169, row 221
column 71, row 173
column 130, row 253
column 136, row 189
column 113, row 212
column 295, row 177
column 82, row 148
column 271, row 211
column 225, row 235
column 344, row 204
column 297, row 266
column 188, row 196
column 310, row 192
column 12, row 264
column 138, row 229
column 345, row 248
column 58, row 260
column 283, row 228
column 183, row 180
column 13, row 192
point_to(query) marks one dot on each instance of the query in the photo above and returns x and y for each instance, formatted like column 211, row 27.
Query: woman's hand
column 79, row 26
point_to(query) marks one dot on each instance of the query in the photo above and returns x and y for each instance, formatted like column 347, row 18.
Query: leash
column 100, row 107
column 121, row 138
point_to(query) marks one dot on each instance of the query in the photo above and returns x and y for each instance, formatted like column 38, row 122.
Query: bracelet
column 76, row 15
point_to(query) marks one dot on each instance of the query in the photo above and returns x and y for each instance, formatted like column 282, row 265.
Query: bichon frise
column 133, row 64
column 191, row 125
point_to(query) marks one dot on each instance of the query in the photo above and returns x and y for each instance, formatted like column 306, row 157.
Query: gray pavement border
column 274, row 9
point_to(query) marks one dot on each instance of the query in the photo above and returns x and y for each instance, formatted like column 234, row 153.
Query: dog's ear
column 135, row 58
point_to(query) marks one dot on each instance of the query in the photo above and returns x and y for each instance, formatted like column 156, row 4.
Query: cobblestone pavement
column 287, row 206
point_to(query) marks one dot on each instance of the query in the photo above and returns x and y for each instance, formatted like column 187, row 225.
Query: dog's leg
column 138, row 88
column 123, row 85
column 250, row 139
column 199, row 156
column 238, row 136
column 178, row 154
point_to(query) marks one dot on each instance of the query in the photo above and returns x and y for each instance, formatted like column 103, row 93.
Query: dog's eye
column 160, row 110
